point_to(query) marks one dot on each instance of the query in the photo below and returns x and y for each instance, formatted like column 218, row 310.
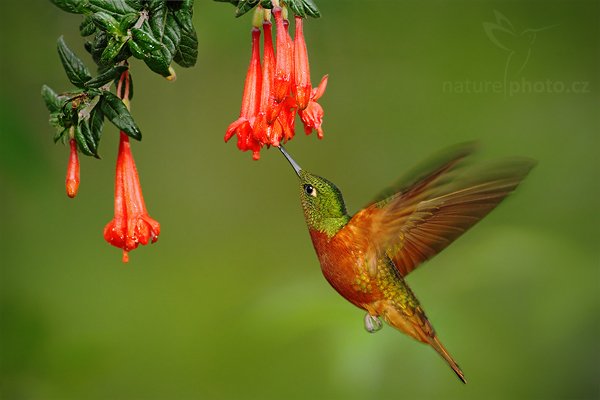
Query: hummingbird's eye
column 310, row 190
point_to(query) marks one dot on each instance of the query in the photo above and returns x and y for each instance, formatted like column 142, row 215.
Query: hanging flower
column 302, row 84
column 131, row 225
column 275, row 93
column 243, row 126
column 72, row 180
column 284, row 65
column 264, row 129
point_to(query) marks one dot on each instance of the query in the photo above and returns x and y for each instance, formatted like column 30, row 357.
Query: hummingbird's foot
column 372, row 323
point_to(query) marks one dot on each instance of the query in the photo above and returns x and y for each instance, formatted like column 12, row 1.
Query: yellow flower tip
column 257, row 17
column 267, row 15
column 284, row 12
column 173, row 76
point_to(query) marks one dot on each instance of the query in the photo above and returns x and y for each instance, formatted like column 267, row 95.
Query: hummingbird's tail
column 439, row 347
column 417, row 325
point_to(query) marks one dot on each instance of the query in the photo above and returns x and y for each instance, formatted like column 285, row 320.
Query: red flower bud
column 72, row 181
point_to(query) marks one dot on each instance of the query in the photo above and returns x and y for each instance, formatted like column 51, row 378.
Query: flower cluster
column 131, row 225
column 277, row 90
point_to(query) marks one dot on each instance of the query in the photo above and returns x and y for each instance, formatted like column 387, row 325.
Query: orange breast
column 344, row 265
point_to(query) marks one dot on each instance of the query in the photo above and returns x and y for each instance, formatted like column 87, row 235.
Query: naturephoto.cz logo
column 518, row 45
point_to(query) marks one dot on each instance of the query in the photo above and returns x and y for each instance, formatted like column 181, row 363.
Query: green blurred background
column 230, row 303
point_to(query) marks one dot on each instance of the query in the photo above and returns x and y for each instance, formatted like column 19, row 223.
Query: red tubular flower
column 243, row 126
column 302, row 83
column 312, row 115
column 265, row 129
column 72, row 181
column 131, row 225
column 285, row 59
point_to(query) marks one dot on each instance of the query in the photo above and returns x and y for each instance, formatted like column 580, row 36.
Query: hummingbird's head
column 322, row 201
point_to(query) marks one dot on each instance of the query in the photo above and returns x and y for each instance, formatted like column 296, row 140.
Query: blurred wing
column 414, row 225
column 419, row 178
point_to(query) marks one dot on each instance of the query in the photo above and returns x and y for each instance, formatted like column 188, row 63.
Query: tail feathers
column 418, row 327
column 439, row 347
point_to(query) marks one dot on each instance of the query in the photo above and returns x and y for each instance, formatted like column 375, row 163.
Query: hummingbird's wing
column 418, row 222
column 420, row 177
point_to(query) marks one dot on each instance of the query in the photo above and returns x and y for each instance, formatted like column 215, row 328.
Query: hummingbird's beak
column 291, row 160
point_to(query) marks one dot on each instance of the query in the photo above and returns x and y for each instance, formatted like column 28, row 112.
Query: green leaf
column 186, row 53
column 176, row 31
column 106, row 22
column 76, row 71
column 52, row 100
column 136, row 50
column 184, row 15
column 171, row 34
column 96, row 122
column 304, row 8
column 71, row 6
column 311, row 8
column 66, row 116
column 128, row 21
column 234, row 2
column 154, row 4
column 268, row 4
column 116, row 112
column 111, row 51
column 97, row 46
column 81, row 141
column 155, row 54
column 158, row 21
column 106, row 77
column 135, row 4
column 87, row 27
column 61, row 133
column 297, row 8
column 186, row 5
column 244, row 6
column 91, row 143
column 114, row 7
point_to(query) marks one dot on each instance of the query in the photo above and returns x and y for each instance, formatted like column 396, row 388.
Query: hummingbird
column 366, row 257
